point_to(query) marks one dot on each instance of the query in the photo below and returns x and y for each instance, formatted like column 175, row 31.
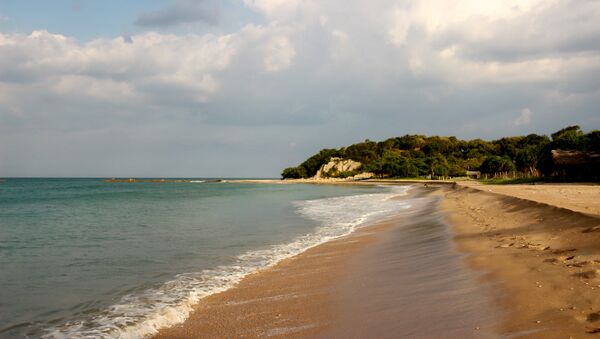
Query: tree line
column 414, row 156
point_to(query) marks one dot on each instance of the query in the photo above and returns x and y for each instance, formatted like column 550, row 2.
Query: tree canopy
column 411, row 156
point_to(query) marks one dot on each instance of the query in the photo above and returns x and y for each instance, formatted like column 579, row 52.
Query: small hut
column 576, row 164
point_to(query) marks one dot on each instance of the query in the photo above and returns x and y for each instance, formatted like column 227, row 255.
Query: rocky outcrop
column 341, row 168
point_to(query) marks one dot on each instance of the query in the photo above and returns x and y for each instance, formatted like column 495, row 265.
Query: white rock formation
column 338, row 165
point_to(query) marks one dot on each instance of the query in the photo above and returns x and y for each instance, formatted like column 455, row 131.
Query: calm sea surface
column 82, row 257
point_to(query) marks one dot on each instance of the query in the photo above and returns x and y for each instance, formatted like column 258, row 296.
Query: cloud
column 127, row 38
column 276, row 8
column 313, row 74
column 279, row 54
column 179, row 12
column 141, row 62
column 524, row 118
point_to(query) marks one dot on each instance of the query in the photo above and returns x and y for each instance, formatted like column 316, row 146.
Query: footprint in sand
column 560, row 259
column 591, row 229
column 578, row 264
column 563, row 251
column 535, row 247
column 592, row 317
column 587, row 274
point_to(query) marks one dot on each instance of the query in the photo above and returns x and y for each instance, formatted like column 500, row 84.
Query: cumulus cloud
column 178, row 12
column 323, row 73
column 109, row 66
column 276, row 9
column 524, row 118
column 279, row 53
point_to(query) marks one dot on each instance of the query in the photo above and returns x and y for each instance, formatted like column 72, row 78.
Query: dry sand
column 583, row 198
column 545, row 259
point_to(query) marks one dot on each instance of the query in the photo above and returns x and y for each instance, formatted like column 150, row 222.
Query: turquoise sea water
column 82, row 257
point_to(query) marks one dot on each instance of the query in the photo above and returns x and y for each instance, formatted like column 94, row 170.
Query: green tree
column 410, row 142
column 527, row 159
column 294, row 173
column 456, row 171
column 507, row 146
column 399, row 167
column 314, row 163
column 496, row 164
column 441, row 170
column 568, row 138
column 435, row 145
column 363, row 152
column 591, row 142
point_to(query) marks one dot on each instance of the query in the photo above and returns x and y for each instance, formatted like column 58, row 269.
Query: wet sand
column 413, row 283
column 401, row 277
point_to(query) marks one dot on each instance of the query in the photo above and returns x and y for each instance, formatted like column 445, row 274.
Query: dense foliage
column 412, row 156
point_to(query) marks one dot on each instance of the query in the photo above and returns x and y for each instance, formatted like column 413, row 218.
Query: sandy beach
column 483, row 265
column 582, row 198
column 542, row 253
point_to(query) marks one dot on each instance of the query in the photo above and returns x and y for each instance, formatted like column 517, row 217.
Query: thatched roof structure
column 575, row 158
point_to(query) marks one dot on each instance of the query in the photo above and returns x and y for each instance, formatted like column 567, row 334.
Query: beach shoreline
column 309, row 295
column 535, row 264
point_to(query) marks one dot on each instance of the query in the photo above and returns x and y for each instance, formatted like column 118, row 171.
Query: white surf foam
column 143, row 314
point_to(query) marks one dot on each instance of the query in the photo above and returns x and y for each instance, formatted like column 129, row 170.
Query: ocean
column 88, row 258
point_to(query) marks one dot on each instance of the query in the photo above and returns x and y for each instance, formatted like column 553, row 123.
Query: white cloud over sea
column 311, row 73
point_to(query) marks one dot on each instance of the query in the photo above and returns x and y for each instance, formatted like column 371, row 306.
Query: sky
column 245, row 88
